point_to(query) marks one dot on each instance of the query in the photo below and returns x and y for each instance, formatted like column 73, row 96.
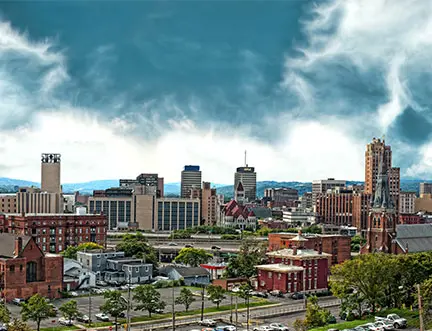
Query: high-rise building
column 406, row 202
column 247, row 176
column 209, row 205
column 321, row 186
column 373, row 155
column 335, row 207
column 425, row 188
column 361, row 206
column 146, row 184
column 190, row 178
column 33, row 200
column 50, row 169
column 281, row 196
column 383, row 216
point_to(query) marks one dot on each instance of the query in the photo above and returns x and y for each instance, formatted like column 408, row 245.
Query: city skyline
column 133, row 88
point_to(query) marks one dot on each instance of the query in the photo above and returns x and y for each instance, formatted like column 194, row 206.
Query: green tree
column 315, row 315
column 252, row 253
column 245, row 291
column 114, row 305
column 4, row 314
column 357, row 242
column 17, row 325
column 216, row 294
column 69, row 309
column 71, row 251
column 37, row 309
column 300, row 325
column 148, row 299
column 185, row 298
column 138, row 246
column 372, row 278
column 193, row 256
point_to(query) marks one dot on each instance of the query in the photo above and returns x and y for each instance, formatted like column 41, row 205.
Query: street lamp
column 202, row 296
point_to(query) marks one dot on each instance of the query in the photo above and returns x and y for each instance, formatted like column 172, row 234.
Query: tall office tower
column 373, row 154
column 382, row 217
column 209, row 204
column 425, row 188
column 247, row 176
column 190, row 178
column 50, row 181
column 321, row 186
column 145, row 184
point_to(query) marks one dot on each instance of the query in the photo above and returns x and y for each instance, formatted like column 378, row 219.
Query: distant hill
column 10, row 185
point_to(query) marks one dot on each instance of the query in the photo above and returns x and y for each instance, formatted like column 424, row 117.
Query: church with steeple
column 382, row 218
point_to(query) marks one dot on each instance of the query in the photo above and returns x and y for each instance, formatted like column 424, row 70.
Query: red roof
column 232, row 208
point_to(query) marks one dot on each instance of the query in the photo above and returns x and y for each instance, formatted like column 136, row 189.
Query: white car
column 208, row 322
column 384, row 325
column 64, row 321
column 263, row 328
column 226, row 328
column 73, row 294
column 279, row 327
column 102, row 317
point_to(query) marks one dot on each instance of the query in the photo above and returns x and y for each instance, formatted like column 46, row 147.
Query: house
column 296, row 269
column 27, row 270
column 114, row 268
column 75, row 276
column 190, row 275
column 235, row 215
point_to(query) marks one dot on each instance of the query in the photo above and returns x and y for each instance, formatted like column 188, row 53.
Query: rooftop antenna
column 246, row 158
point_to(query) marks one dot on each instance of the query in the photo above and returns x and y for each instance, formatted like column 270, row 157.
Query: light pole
column 231, row 309
column 90, row 304
column 129, row 304
column 173, row 310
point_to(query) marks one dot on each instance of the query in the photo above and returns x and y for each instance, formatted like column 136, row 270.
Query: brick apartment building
column 335, row 207
column 338, row 246
column 25, row 270
column 54, row 232
column 295, row 269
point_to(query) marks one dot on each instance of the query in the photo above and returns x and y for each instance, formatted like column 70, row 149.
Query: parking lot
column 85, row 303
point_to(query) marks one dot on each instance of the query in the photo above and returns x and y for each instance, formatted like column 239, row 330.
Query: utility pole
column 231, row 309
column 173, row 310
column 247, row 310
column 236, row 310
column 129, row 304
column 202, row 303
column 420, row 302
column 90, row 304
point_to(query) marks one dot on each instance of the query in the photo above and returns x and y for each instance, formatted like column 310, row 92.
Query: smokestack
column 18, row 246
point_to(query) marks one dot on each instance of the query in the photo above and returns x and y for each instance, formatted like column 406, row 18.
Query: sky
column 122, row 88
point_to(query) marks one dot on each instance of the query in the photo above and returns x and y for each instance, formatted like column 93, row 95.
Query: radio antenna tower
column 246, row 159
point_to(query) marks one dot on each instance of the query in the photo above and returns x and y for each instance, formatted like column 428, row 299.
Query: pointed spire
column 382, row 191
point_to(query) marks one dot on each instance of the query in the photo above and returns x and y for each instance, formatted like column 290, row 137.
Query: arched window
column 31, row 272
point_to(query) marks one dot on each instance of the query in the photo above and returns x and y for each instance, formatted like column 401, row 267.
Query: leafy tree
column 114, row 305
column 69, row 309
column 71, row 251
column 148, row 299
column 245, row 291
column 193, row 256
column 300, row 325
column 138, row 246
column 216, row 294
column 315, row 315
column 252, row 253
column 17, row 325
column 185, row 298
column 37, row 309
column 4, row 314
column 357, row 242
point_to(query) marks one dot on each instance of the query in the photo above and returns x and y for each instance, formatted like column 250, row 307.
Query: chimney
column 294, row 250
column 18, row 246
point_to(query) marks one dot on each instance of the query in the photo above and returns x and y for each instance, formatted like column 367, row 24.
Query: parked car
column 73, row 294
column 83, row 318
column 279, row 327
column 215, row 247
column 3, row 327
column 208, row 322
column 64, row 321
column 158, row 311
column 259, row 294
column 349, row 315
column 226, row 328
column 263, row 328
column 277, row 293
column 102, row 317
column 101, row 283
column 397, row 321
column 172, row 244
column 297, row 296
column 386, row 326
column 331, row 319
column 54, row 308
column 18, row 301
column 188, row 245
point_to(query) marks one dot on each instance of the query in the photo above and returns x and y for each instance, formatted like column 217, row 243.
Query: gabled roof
column 239, row 187
column 232, row 208
column 186, row 271
column 414, row 237
column 7, row 244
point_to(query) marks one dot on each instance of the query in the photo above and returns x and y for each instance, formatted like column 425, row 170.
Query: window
column 310, row 283
column 60, row 231
column 279, row 276
column 44, row 240
column 269, row 274
column 315, row 283
column 12, row 268
column 60, row 247
column 31, row 272
column 21, row 267
column 44, row 248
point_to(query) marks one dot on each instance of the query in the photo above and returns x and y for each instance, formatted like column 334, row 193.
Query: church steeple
column 382, row 199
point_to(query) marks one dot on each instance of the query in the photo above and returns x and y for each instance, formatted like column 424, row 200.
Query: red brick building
column 410, row 219
column 295, row 269
column 25, row 270
column 338, row 246
column 54, row 232
column 335, row 208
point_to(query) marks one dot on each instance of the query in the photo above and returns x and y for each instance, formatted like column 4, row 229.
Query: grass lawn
column 60, row 328
column 412, row 318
